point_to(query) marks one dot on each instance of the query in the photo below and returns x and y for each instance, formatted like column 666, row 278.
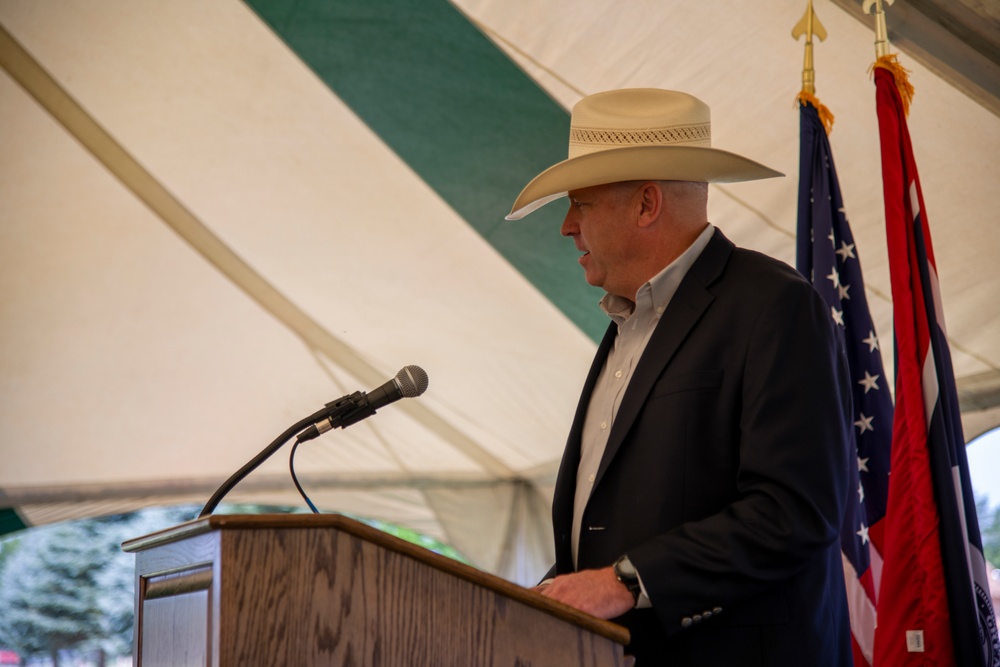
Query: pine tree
column 69, row 587
column 50, row 591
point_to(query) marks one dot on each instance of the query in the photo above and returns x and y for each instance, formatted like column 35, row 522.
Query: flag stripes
column 934, row 603
column 828, row 256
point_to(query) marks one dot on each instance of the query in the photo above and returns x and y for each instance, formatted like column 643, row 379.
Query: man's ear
column 650, row 203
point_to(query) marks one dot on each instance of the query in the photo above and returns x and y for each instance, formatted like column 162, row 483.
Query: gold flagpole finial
column 809, row 26
column 881, row 34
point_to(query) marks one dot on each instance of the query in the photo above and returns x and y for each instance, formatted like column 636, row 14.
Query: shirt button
column 591, row 478
column 660, row 310
column 604, row 425
column 618, row 374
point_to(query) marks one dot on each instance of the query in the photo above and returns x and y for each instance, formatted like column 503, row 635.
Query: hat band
column 586, row 140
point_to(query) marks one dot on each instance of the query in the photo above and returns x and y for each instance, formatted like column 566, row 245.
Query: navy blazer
column 726, row 473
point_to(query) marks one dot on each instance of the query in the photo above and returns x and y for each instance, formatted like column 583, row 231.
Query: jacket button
column 717, row 610
column 686, row 622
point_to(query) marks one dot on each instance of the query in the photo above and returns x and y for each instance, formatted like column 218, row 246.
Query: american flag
column 934, row 602
column 828, row 257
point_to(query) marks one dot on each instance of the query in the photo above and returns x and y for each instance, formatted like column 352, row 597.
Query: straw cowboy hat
column 637, row 134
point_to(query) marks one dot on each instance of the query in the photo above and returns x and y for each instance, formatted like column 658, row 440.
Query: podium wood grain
column 326, row 590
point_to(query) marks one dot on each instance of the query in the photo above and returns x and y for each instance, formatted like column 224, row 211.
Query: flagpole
column 881, row 33
column 888, row 60
column 809, row 25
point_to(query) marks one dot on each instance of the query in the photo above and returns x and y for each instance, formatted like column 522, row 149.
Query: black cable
column 295, row 479
column 237, row 476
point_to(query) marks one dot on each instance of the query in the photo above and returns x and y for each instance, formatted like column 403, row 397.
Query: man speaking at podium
column 701, row 490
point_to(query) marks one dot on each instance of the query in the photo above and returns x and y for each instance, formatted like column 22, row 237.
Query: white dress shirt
column 636, row 322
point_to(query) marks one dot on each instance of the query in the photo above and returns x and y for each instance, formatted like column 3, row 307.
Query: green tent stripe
column 458, row 112
column 10, row 521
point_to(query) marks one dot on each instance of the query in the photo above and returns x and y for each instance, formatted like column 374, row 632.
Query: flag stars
column 864, row 424
column 842, row 290
column 872, row 341
column 838, row 315
column 863, row 534
column 846, row 251
column 863, row 464
column 861, row 492
column 834, row 277
column 869, row 382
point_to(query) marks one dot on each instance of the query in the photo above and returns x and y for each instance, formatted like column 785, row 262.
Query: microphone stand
column 332, row 411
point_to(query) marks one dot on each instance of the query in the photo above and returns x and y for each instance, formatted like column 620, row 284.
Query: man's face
column 597, row 221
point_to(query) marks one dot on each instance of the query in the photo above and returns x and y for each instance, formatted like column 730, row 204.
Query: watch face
column 628, row 576
column 625, row 569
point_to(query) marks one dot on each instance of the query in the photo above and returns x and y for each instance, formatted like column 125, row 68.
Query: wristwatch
column 627, row 574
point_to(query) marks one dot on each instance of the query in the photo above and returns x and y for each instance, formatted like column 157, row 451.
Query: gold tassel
column 825, row 115
column 901, row 75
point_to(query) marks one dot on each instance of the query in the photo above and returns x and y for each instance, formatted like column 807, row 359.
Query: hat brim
column 637, row 163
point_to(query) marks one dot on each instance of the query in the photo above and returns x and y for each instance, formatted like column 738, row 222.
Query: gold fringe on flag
column 825, row 115
column 901, row 75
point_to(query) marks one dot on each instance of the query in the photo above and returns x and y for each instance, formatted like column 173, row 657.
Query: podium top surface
column 250, row 522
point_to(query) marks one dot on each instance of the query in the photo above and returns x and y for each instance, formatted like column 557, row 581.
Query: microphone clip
column 341, row 413
column 348, row 410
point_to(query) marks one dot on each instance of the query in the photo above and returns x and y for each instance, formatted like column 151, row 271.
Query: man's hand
column 596, row 592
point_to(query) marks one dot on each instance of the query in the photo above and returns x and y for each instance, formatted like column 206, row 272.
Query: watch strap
column 626, row 573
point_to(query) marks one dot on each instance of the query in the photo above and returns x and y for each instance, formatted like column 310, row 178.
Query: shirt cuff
column 643, row 602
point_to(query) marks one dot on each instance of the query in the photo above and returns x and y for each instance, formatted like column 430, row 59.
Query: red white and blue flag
column 828, row 256
column 934, row 603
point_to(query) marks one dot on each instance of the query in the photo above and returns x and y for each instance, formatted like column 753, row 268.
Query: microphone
column 409, row 382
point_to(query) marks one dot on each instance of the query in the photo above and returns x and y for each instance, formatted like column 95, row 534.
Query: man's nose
column 569, row 225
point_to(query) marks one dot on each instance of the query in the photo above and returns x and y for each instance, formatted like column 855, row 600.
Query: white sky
column 984, row 465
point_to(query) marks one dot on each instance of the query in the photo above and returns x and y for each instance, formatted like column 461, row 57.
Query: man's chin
column 588, row 273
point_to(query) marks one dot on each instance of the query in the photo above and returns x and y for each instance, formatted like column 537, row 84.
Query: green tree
column 7, row 547
column 50, row 591
column 70, row 588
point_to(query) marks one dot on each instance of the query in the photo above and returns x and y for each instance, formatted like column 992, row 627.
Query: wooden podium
column 279, row 589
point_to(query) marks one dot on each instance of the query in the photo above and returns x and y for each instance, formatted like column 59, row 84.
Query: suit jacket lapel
column 686, row 307
column 565, row 490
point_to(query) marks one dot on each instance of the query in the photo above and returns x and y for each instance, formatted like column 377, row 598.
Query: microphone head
column 412, row 381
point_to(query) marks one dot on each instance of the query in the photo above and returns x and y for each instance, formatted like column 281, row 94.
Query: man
column 700, row 494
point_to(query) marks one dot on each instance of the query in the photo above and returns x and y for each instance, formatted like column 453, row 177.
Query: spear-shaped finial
column 809, row 25
column 881, row 34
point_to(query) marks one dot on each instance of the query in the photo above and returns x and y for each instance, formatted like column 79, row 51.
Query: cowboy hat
column 637, row 134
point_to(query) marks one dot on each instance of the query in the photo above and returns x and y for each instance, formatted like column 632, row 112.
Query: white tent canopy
column 213, row 244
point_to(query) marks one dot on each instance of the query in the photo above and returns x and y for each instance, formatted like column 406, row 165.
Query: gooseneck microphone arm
column 409, row 382
column 238, row 476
